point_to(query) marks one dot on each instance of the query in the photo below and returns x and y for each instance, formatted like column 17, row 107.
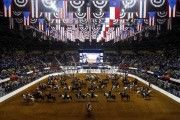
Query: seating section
column 157, row 63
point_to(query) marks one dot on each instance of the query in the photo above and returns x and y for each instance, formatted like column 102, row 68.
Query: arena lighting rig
column 91, row 19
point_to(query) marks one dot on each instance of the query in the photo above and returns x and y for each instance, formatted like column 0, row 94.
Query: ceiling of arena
column 91, row 19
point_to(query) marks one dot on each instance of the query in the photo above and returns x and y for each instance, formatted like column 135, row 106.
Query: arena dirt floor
column 159, row 107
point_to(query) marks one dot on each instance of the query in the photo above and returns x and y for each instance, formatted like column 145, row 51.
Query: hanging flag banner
column 151, row 18
column 47, row 31
column 172, row 8
column 114, row 6
column 7, row 8
column 56, row 17
column 142, row 8
column 35, row 8
column 26, row 17
column 139, row 24
column 88, row 13
column 41, row 24
column 62, row 8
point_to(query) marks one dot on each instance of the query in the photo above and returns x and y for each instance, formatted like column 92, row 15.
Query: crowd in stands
column 23, row 69
column 21, row 64
column 159, row 64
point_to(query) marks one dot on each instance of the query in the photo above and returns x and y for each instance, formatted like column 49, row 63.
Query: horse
column 109, row 97
column 28, row 98
column 67, row 88
column 42, row 87
column 63, row 82
column 147, row 94
column 125, row 82
column 38, row 95
column 92, row 86
column 50, row 97
column 101, row 86
column 76, row 87
column 80, row 96
column 116, row 85
column 144, row 92
column 92, row 95
column 124, row 95
column 55, row 87
column 66, row 97
column 103, row 83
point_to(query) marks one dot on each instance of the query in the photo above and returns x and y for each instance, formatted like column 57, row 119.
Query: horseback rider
column 28, row 94
column 80, row 93
column 65, row 95
column 110, row 94
column 92, row 94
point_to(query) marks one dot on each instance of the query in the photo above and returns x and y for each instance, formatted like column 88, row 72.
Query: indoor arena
column 89, row 59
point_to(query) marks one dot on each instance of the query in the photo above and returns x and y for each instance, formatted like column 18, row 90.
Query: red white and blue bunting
column 91, row 19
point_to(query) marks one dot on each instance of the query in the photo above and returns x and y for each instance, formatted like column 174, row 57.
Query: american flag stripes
column 34, row 8
column 88, row 13
column 142, row 8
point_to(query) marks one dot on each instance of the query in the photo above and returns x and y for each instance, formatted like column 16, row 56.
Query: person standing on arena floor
column 89, row 109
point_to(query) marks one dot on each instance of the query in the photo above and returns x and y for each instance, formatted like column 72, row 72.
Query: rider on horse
column 109, row 94
column 28, row 94
column 65, row 95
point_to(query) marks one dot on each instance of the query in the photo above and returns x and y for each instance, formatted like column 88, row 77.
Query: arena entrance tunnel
column 112, row 71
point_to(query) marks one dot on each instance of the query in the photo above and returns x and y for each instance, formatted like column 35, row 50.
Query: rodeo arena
column 89, row 59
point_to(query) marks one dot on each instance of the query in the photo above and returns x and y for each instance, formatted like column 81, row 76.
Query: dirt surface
column 159, row 107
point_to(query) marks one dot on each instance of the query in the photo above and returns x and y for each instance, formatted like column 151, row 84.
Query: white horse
column 55, row 87
column 67, row 97
column 67, row 88
column 106, row 94
column 28, row 98
column 101, row 86
column 108, row 97
column 145, row 94
column 92, row 95
column 115, row 87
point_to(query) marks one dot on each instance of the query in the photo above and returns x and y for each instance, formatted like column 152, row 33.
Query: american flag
column 114, row 9
column 63, row 9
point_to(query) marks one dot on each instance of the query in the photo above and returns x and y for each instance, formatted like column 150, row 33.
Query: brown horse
column 50, row 97
column 124, row 96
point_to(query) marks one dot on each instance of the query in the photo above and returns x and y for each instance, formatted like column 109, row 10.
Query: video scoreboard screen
column 90, row 56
